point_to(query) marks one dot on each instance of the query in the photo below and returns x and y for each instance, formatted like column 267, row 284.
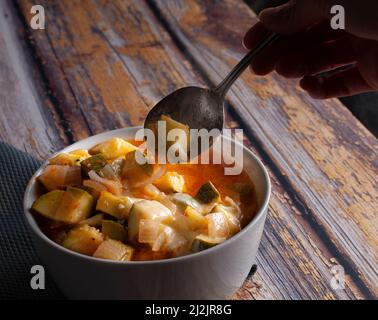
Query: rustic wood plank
column 117, row 61
column 90, row 64
column 27, row 118
column 328, row 158
column 293, row 261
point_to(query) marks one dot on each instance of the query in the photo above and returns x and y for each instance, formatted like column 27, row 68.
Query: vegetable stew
column 101, row 202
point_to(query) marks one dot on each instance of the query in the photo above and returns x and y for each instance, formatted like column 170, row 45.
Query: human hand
column 311, row 46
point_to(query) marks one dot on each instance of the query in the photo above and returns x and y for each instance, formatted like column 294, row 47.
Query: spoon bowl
column 201, row 108
column 196, row 107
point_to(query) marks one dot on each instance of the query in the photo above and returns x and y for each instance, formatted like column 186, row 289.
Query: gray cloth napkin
column 17, row 254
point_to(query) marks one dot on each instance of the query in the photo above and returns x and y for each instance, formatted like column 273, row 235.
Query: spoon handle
column 227, row 82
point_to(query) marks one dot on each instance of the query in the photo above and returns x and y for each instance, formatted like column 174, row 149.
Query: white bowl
column 214, row 273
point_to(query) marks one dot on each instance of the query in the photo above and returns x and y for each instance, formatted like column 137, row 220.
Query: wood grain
column 102, row 78
column 108, row 62
column 294, row 261
column 27, row 118
column 320, row 149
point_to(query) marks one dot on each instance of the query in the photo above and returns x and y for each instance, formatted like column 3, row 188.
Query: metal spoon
column 203, row 108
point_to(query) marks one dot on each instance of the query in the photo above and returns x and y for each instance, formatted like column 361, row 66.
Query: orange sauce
column 195, row 176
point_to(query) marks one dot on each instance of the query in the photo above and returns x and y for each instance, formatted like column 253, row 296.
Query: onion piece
column 168, row 203
column 218, row 225
column 148, row 231
column 233, row 223
column 154, row 192
column 236, row 208
column 94, row 185
column 158, row 242
column 114, row 187
column 175, row 242
column 108, row 172
column 155, row 175
column 169, row 240
column 117, row 166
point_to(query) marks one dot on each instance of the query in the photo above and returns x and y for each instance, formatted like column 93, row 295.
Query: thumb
column 294, row 16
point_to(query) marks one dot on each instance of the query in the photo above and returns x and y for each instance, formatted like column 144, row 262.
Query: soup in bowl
column 109, row 227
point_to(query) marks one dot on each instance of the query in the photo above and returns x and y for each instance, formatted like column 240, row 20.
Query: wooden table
column 101, row 65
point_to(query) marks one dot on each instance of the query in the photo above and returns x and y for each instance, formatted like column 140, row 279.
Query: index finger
column 254, row 35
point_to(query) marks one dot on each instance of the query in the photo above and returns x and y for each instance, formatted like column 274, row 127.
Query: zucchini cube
column 207, row 193
column 114, row 230
column 114, row 250
column 113, row 148
column 117, row 206
column 83, row 239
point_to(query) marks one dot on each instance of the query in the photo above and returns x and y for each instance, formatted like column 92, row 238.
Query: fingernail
column 270, row 14
column 243, row 43
column 265, row 14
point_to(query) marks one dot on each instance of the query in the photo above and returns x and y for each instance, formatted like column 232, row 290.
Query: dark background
column 363, row 106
